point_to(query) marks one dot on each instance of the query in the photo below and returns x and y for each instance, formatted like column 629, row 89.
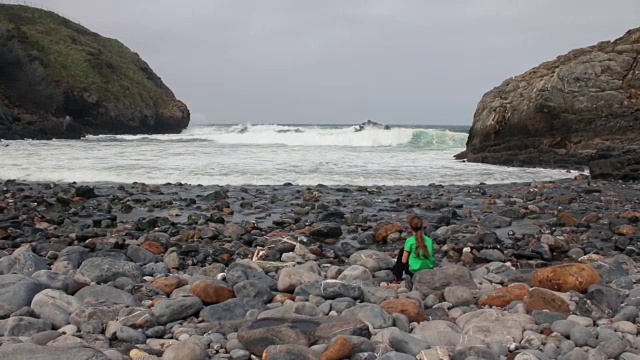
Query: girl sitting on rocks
column 417, row 253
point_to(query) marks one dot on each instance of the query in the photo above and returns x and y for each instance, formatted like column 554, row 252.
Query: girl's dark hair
column 416, row 224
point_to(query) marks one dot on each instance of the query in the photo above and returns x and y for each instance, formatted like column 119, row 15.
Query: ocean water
column 263, row 155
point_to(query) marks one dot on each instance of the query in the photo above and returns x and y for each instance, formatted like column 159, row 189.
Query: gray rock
column 129, row 335
column 443, row 333
column 258, row 335
column 491, row 255
column 18, row 291
column 326, row 230
column 595, row 354
column 627, row 313
column 140, row 255
column 103, row 270
column 612, row 347
column 154, row 269
column 23, row 326
column 32, row 351
column 341, row 304
column 233, row 309
column 289, row 351
column 433, row 280
column 551, row 351
column 493, row 221
column 55, row 306
column 114, row 354
column 494, row 326
column 458, row 296
column 168, row 310
column 606, row 299
column 44, row 337
column 186, row 350
column 233, row 231
column 580, row 335
column 22, row 262
column 394, row 355
column 99, row 313
column 371, row 314
column 253, row 289
column 629, row 356
column 107, row 294
column 547, row 317
column 292, row 310
column 330, row 289
column 290, row 278
column 401, row 322
column 406, row 343
column 474, row 352
column 240, row 354
column 54, row 280
column 238, row 272
column 625, row 327
column 563, row 327
column 75, row 255
column 92, row 327
column 355, row 273
column 372, row 260
column 576, row 354
column 377, row 294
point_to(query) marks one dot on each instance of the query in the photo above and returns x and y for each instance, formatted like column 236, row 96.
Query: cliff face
column 60, row 80
column 581, row 109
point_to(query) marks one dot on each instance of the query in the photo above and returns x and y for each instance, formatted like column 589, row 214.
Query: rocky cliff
column 60, row 80
column 581, row 109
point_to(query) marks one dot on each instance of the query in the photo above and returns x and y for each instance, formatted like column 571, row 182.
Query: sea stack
column 581, row 109
column 61, row 80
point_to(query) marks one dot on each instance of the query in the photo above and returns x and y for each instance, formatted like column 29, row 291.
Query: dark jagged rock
column 578, row 110
column 61, row 80
column 370, row 124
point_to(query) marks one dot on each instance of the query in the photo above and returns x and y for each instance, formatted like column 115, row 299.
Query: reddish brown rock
column 211, row 293
column 575, row 276
column 154, row 247
column 278, row 234
column 339, row 349
column 409, row 308
column 625, row 230
column 567, row 219
column 502, row 297
column 591, row 218
column 543, row 299
column 630, row 214
column 2, row 233
column 225, row 258
column 385, row 231
column 167, row 284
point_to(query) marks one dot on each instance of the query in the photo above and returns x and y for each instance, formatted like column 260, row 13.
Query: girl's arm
column 405, row 257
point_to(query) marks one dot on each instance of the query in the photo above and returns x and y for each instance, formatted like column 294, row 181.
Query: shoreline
column 140, row 271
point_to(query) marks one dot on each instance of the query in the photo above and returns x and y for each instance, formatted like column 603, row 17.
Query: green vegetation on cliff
column 51, row 68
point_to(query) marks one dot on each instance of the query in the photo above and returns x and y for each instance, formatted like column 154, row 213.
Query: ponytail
column 415, row 223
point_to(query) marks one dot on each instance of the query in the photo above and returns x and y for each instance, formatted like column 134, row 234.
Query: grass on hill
column 74, row 57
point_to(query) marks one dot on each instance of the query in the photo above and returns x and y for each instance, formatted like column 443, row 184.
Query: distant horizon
column 329, row 124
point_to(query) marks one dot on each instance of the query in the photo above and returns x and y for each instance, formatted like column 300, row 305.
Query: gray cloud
column 337, row 61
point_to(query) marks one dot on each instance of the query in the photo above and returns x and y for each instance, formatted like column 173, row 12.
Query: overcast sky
column 345, row 61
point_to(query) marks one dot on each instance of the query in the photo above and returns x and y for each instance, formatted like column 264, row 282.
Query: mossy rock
column 60, row 80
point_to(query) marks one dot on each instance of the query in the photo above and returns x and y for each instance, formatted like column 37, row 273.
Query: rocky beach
column 542, row 270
